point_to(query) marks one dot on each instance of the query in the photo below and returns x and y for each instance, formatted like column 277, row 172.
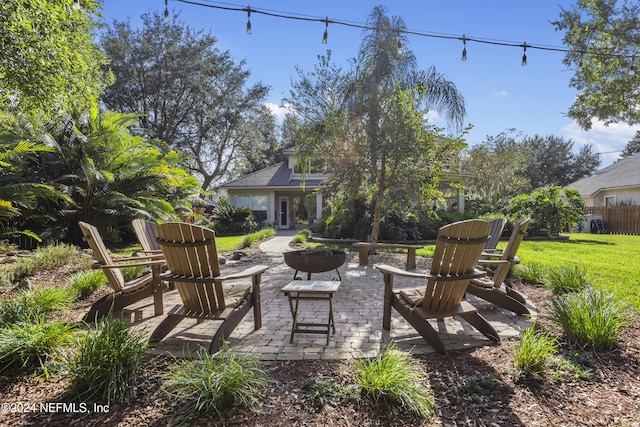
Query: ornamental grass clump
column 27, row 344
column 589, row 318
column 107, row 363
column 530, row 272
column 533, row 355
column 32, row 304
column 214, row 383
column 86, row 282
column 566, row 278
column 393, row 379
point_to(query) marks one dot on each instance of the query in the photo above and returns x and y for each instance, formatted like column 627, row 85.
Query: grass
column 44, row 258
column 213, row 384
column 533, row 354
column 610, row 261
column 107, row 361
column 394, row 378
column 589, row 318
column 85, row 282
column 32, row 343
column 252, row 238
column 31, row 304
column 566, row 278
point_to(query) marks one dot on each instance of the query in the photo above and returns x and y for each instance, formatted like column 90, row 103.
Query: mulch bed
column 474, row 387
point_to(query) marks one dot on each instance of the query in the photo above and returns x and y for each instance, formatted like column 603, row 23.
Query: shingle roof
column 623, row 173
column 277, row 175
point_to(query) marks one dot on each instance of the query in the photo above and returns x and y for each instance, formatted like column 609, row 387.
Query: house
column 616, row 184
column 279, row 196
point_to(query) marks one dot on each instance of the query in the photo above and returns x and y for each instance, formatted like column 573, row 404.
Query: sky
column 500, row 93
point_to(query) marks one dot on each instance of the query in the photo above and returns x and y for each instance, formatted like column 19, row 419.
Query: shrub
column 252, row 238
column 392, row 378
column 533, row 354
column 26, row 344
column 564, row 279
column 530, row 272
column 30, row 305
column 108, row 360
column 550, row 209
column 45, row 258
column 210, row 383
column 590, row 317
column 86, row 282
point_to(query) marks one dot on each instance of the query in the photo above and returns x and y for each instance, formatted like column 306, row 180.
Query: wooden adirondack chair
column 124, row 293
column 491, row 288
column 206, row 294
column 497, row 226
column 458, row 249
column 146, row 232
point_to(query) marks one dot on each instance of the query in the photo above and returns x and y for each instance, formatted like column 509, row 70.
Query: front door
column 283, row 221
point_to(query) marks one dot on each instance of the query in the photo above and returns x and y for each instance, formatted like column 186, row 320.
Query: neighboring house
column 278, row 195
column 616, row 184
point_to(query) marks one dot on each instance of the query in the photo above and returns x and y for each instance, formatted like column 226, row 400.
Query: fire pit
column 314, row 261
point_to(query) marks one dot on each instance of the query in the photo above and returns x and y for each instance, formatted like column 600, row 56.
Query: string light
column 76, row 4
column 524, row 55
column 166, row 10
column 399, row 44
column 464, row 49
column 326, row 30
column 293, row 16
column 248, row 20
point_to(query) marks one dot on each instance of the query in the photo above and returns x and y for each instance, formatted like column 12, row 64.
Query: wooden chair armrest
column 251, row 271
column 149, row 263
column 400, row 272
column 424, row 276
column 152, row 257
column 493, row 261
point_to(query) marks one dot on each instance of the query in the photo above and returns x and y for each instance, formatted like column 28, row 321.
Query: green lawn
column 612, row 261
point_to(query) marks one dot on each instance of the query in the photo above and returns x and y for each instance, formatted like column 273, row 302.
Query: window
column 258, row 203
column 610, row 200
column 311, row 166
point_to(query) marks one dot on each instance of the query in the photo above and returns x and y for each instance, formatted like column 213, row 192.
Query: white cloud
column 501, row 93
column 280, row 111
column 606, row 140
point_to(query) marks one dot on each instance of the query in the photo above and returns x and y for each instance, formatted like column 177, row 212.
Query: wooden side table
column 299, row 290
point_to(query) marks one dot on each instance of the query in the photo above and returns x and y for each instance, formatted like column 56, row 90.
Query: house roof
column 623, row 173
column 278, row 175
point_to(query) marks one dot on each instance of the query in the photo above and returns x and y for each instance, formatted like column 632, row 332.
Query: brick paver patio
column 357, row 312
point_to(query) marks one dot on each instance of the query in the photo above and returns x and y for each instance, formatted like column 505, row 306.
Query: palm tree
column 385, row 66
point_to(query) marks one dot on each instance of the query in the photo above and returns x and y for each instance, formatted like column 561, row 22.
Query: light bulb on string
column 464, row 49
column 248, row 31
column 399, row 44
column 326, row 31
column 524, row 55
column 166, row 10
column 76, row 4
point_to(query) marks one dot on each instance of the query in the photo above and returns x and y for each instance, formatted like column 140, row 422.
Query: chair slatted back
column 93, row 238
column 192, row 257
column 458, row 248
column 519, row 231
column 497, row 226
column 147, row 234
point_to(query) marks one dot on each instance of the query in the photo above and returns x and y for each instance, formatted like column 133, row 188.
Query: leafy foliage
column 191, row 95
column 550, row 209
column 48, row 60
column 603, row 38
column 371, row 122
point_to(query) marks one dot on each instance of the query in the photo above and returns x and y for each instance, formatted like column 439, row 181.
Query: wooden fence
column 619, row 219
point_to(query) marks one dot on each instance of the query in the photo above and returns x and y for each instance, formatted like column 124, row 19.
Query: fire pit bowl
column 314, row 261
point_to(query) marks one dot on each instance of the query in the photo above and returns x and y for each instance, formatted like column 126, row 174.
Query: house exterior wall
column 614, row 196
